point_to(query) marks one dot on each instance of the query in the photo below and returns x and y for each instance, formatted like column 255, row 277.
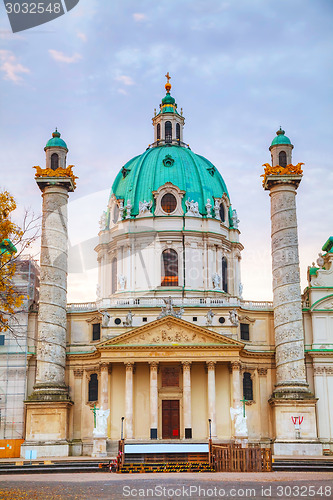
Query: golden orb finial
column 168, row 84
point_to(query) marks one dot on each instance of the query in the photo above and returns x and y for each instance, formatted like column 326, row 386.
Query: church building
column 170, row 351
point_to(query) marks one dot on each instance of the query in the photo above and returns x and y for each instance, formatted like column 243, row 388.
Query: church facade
column 170, row 351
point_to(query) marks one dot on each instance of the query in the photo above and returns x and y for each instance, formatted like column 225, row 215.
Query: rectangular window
column 245, row 331
column 96, row 331
column 2, row 340
column 195, row 318
column 144, row 319
column 170, row 376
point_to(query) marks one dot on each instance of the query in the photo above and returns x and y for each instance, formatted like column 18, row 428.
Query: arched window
column 178, row 132
column 247, row 386
column 158, row 131
column 114, row 275
column 54, row 161
column 169, row 268
column 93, row 387
column 282, row 159
column 222, row 213
column 224, row 274
column 168, row 131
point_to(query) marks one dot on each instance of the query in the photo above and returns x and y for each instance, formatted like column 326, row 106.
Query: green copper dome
column 56, row 142
column 280, row 138
column 168, row 99
column 190, row 172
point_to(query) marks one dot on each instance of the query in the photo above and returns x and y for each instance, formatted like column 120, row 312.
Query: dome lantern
column 168, row 123
column 56, row 151
column 281, row 149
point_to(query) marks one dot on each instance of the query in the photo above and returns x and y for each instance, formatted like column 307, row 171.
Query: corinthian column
column 187, row 405
column 287, row 304
column 129, row 400
column 211, row 396
column 153, row 400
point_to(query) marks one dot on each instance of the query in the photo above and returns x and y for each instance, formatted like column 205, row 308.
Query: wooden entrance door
column 170, row 419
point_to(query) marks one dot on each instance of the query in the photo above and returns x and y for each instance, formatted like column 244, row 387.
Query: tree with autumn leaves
column 14, row 241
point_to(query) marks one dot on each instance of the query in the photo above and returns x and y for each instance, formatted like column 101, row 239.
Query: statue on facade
column 105, row 318
column 145, row 207
column 129, row 319
column 208, row 208
column 168, row 309
column 121, row 209
column 320, row 260
column 240, row 290
column 217, row 209
column 216, row 279
column 122, row 282
column 209, row 317
column 101, row 419
column 192, row 208
column 233, row 316
column 235, row 219
column 240, row 421
column 180, row 313
column 128, row 209
column 102, row 221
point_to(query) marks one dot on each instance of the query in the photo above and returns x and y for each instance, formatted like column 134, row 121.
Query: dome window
column 158, row 131
column 54, row 161
column 224, row 274
column 169, row 203
column 169, row 268
column 222, row 212
column 283, row 159
column 168, row 161
column 168, row 132
column 178, row 132
column 114, row 275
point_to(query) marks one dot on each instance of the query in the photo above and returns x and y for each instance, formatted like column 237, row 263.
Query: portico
column 167, row 379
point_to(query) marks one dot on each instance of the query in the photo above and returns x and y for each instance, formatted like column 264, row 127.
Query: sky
column 239, row 70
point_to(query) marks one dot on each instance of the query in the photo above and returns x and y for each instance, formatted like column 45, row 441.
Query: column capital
column 262, row 372
column 235, row 365
column 186, row 365
column 153, row 364
column 78, row 373
column 129, row 366
column 210, row 365
column 104, row 366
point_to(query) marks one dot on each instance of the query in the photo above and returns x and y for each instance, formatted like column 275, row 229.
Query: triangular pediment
column 171, row 331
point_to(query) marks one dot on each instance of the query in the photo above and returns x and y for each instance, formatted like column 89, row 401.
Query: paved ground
column 106, row 486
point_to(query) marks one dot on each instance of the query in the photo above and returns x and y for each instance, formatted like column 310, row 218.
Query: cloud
column 126, row 80
column 61, row 57
column 138, row 17
column 82, row 36
column 11, row 67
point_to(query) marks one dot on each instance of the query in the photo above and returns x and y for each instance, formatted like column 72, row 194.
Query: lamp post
column 210, row 428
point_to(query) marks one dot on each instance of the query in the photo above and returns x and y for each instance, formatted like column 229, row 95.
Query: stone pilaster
column 236, row 384
column 211, row 396
column 153, row 399
column 187, row 405
column 104, row 398
column 129, row 401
